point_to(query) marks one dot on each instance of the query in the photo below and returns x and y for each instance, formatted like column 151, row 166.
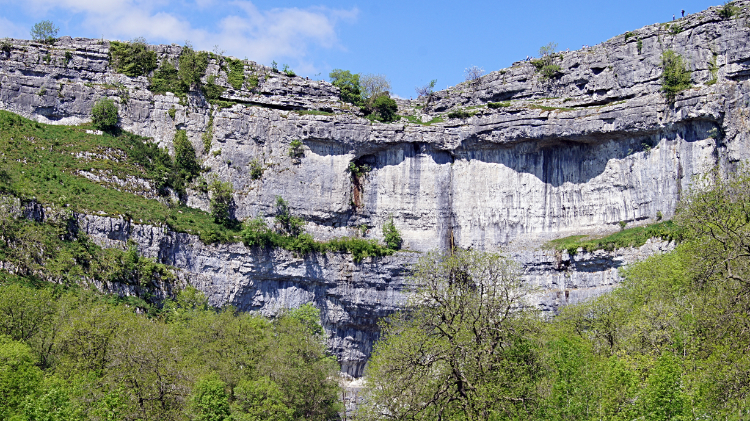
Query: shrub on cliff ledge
column 675, row 76
column 132, row 58
column 44, row 31
column 104, row 114
column 348, row 84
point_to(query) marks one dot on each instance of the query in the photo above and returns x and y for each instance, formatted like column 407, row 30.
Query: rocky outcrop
column 592, row 146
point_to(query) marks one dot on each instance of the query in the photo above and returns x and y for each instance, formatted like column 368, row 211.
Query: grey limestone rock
column 595, row 145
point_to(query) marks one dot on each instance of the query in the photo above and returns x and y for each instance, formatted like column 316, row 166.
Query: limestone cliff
column 594, row 145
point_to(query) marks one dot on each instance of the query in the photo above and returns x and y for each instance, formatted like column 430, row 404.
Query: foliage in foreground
column 671, row 343
column 74, row 355
column 463, row 348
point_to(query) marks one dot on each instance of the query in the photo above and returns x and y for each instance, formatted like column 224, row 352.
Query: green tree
column 463, row 347
column 306, row 374
column 209, row 400
column 349, row 86
column 19, row 375
column 132, row 58
column 104, row 114
column 289, row 224
column 222, row 199
column 391, row 235
column 675, row 74
column 44, row 31
column 260, row 400
column 186, row 162
column 192, row 67
column 384, row 108
column 545, row 64
column 663, row 398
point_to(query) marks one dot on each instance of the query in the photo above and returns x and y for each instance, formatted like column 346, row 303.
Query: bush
column 391, row 235
column 44, row 31
column 498, row 104
column 728, row 10
column 545, row 64
column 185, row 161
column 349, row 88
column 288, row 223
column 675, row 76
column 221, row 201
column 256, row 169
column 104, row 114
column 385, row 108
column 166, row 80
column 132, row 58
column 192, row 67
column 460, row 114
column 295, row 149
column 426, row 90
column 211, row 90
column 236, row 76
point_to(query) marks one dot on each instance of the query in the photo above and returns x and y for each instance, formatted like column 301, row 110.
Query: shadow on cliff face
column 556, row 161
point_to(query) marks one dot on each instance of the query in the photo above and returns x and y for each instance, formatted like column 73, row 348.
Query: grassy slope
column 39, row 161
column 631, row 237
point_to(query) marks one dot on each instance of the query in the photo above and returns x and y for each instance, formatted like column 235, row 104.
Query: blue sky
column 409, row 42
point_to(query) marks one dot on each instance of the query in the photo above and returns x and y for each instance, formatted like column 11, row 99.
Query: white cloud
column 262, row 35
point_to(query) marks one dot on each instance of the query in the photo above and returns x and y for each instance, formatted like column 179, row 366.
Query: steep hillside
column 521, row 156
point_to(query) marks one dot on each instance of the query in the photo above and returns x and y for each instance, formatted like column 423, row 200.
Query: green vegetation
column 670, row 343
column 289, row 234
column 222, row 202
column 493, row 105
column 296, row 150
column 457, row 351
column 132, row 58
column 53, row 252
column 104, row 115
column 313, row 112
column 44, row 31
column 391, row 235
column 640, row 46
column 714, row 69
column 384, row 109
column 415, row 120
column 631, row 237
column 287, row 71
column 629, row 35
column 208, row 136
column 185, row 162
column 675, row 76
column 546, row 108
column 348, row 84
column 192, row 66
column 460, row 114
column 236, row 74
column 75, row 355
column 728, row 10
column 211, row 90
column 256, row 169
column 545, row 65
column 253, row 81
column 5, row 46
column 358, row 171
column 46, row 162
column 172, row 112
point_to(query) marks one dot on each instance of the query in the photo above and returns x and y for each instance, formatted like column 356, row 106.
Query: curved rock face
column 595, row 145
